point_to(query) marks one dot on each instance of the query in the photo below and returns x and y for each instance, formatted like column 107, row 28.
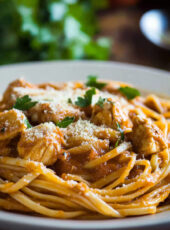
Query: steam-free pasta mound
column 84, row 150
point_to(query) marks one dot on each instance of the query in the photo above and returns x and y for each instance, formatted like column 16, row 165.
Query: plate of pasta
column 84, row 145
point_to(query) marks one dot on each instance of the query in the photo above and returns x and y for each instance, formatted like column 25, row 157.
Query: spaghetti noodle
column 83, row 150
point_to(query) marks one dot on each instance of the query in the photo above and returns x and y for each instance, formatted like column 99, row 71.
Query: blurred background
column 37, row 30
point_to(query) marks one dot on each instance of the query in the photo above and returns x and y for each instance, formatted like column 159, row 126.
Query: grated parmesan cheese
column 60, row 97
column 38, row 132
column 83, row 129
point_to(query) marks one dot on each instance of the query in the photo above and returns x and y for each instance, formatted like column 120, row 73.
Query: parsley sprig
column 122, row 137
column 69, row 101
column 65, row 122
column 129, row 92
column 121, row 131
column 101, row 101
column 24, row 103
column 92, row 82
column 87, row 99
column 27, row 124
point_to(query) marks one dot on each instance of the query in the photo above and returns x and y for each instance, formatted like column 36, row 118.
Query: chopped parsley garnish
column 92, row 82
column 70, row 101
column 87, row 99
column 121, row 131
column 100, row 102
column 129, row 92
column 65, row 122
column 117, row 143
column 27, row 124
column 24, row 103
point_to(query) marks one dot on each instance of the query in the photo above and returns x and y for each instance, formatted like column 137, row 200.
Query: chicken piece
column 41, row 143
column 12, row 122
column 52, row 104
column 103, row 116
column 9, row 96
column 85, row 132
column 146, row 137
column 46, row 112
column 110, row 115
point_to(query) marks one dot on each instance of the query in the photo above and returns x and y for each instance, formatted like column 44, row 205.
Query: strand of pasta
column 75, row 178
column 25, row 180
column 99, row 204
column 48, row 197
column 124, row 174
column 113, row 153
column 79, row 149
column 107, row 179
column 27, row 202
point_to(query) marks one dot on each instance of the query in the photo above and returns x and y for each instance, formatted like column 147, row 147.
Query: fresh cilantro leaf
column 129, row 92
column 121, row 131
column 24, row 103
column 100, row 102
column 65, row 122
column 87, row 99
column 69, row 101
column 92, row 82
column 27, row 124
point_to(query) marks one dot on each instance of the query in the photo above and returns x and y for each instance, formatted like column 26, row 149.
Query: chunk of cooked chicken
column 52, row 105
column 41, row 143
column 110, row 114
column 12, row 122
column 85, row 132
column 46, row 112
column 9, row 96
column 146, row 137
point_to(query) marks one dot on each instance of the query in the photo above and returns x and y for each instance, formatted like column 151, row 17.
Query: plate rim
column 44, row 222
column 90, row 62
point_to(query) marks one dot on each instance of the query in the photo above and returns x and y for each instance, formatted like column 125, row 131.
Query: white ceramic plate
column 144, row 78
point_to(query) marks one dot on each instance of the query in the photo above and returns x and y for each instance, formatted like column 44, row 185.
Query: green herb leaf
column 24, row 103
column 100, row 102
column 65, row 122
column 70, row 101
column 86, row 101
column 27, row 124
column 92, row 82
column 129, row 92
column 117, row 143
column 121, row 131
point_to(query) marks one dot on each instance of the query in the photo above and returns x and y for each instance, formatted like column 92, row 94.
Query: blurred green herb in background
column 50, row 29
